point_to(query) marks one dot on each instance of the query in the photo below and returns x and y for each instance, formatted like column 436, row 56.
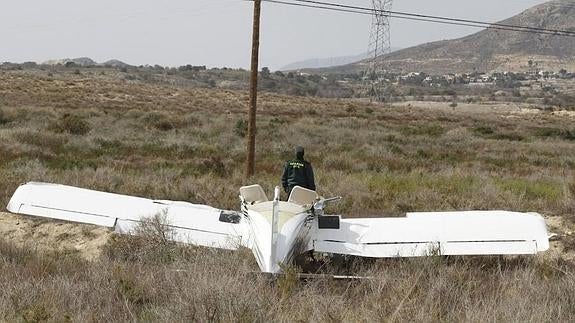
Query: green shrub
column 71, row 124
column 288, row 282
column 241, row 128
column 433, row 130
column 568, row 134
column 483, row 130
column 4, row 118
column 548, row 132
column 278, row 121
column 162, row 121
column 130, row 288
column 214, row 165
column 395, row 149
column 541, row 189
column 164, row 125
column 511, row 136
column 152, row 243
column 37, row 312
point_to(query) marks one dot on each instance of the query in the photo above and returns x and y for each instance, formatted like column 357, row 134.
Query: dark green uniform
column 298, row 172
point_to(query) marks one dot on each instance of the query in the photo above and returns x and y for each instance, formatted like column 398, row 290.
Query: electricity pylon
column 379, row 45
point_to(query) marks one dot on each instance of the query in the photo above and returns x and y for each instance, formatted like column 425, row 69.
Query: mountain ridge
column 493, row 50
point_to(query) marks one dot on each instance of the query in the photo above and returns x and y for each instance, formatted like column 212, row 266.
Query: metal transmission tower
column 379, row 45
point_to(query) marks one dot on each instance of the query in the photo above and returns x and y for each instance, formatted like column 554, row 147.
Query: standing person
column 298, row 172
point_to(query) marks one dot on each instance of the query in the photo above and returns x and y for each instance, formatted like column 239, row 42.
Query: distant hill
column 86, row 62
column 115, row 63
column 81, row 61
column 326, row 62
column 323, row 62
column 494, row 50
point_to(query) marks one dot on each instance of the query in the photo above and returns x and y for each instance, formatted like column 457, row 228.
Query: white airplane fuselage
column 279, row 231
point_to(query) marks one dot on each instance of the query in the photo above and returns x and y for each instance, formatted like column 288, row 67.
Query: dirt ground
column 48, row 234
column 504, row 109
column 560, row 232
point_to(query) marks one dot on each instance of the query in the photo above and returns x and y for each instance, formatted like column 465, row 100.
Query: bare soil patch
column 52, row 235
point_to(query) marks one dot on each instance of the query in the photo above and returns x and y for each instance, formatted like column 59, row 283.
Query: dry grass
column 205, row 285
column 184, row 143
column 178, row 143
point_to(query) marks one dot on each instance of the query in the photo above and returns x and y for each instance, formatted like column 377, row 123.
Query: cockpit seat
column 302, row 196
column 253, row 194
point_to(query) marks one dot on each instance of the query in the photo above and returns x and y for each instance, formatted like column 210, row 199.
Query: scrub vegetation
column 167, row 283
column 183, row 143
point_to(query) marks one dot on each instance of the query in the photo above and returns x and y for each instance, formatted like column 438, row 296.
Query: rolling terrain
column 168, row 141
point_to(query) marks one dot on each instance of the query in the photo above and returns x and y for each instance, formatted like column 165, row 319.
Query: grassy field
column 154, row 282
column 182, row 143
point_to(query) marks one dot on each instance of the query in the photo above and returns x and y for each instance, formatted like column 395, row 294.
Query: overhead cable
column 407, row 14
column 424, row 18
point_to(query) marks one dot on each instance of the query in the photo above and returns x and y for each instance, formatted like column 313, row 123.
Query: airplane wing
column 190, row 223
column 416, row 234
column 440, row 233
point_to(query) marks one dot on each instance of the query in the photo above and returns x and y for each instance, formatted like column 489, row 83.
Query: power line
column 313, row 6
column 424, row 18
column 392, row 16
column 558, row 31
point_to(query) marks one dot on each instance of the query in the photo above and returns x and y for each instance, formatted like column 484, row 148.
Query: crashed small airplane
column 277, row 231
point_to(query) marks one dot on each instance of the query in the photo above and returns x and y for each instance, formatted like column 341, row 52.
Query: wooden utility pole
column 250, row 162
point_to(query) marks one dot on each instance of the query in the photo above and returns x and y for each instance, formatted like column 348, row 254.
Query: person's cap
column 299, row 151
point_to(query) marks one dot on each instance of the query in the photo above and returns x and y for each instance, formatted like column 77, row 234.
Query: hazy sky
column 216, row 32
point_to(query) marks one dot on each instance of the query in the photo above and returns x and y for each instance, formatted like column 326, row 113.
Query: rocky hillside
column 80, row 61
column 86, row 62
column 490, row 50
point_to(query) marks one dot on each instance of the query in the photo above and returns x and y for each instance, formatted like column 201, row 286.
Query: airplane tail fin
column 275, row 226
